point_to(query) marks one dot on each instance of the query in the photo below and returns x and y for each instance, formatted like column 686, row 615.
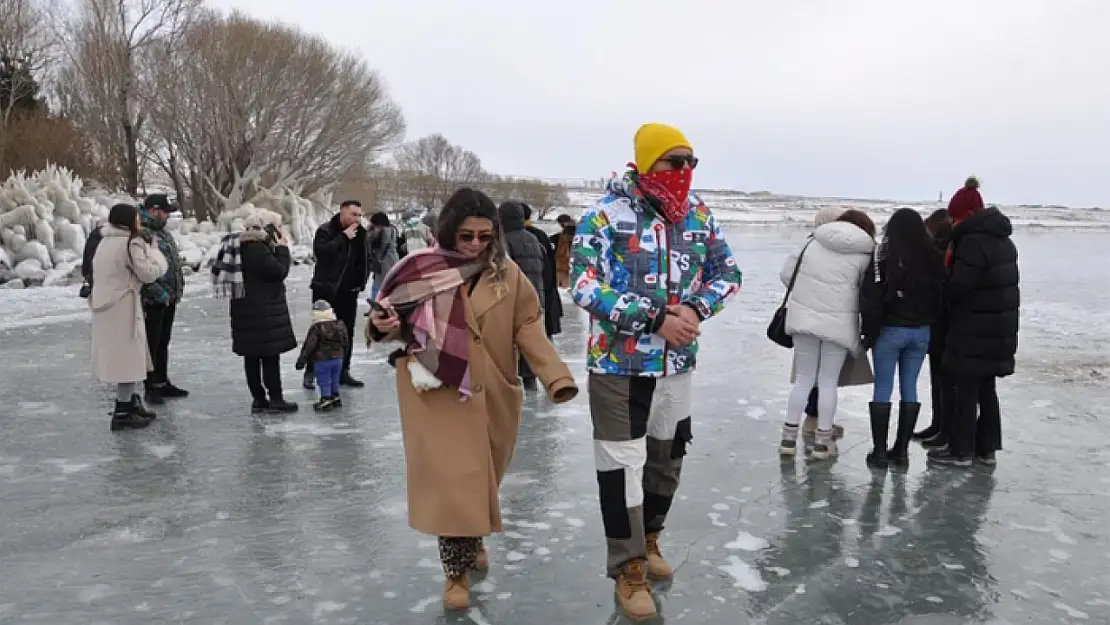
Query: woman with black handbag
column 821, row 317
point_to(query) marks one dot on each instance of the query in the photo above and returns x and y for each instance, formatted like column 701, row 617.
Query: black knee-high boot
column 880, row 425
column 907, row 420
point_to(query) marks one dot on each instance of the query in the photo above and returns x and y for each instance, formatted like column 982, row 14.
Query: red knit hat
column 966, row 201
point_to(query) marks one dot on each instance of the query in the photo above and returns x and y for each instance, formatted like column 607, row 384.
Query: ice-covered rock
column 46, row 217
column 30, row 270
column 13, row 284
column 56, row 277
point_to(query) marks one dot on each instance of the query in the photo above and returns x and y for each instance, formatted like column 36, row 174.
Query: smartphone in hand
column 382, row 310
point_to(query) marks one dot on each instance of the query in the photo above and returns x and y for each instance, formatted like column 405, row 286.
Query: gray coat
column 383, row 250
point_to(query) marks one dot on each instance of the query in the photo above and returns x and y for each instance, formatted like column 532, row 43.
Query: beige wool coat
column 456, row 453
column 120, row 268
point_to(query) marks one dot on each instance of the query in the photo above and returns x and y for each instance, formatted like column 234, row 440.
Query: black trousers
column 263, row 375
column 977, row 419
column 159, row 328
column 345, row 306
column 944, row 394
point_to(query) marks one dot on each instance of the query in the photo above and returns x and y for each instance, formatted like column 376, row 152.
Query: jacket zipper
column 661, row 235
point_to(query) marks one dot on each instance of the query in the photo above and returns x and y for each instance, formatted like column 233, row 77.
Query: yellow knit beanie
column 655, row 140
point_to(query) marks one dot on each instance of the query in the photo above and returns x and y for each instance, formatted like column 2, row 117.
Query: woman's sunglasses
column 466, row 236
column 679, row 160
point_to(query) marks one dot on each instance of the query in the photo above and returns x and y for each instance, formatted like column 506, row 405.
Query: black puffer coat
column 260, row 324
column 983, row 297
column 523, row 247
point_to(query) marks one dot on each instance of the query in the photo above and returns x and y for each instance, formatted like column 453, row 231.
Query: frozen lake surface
column 211, row 517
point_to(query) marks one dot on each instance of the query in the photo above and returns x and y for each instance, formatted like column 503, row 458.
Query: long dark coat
column 983, row 297
column 260, row 324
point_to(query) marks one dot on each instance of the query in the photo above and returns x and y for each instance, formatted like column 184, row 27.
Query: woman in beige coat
column 463, row 310
column 122, row 264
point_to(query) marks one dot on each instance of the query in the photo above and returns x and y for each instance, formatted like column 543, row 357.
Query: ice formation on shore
column 46, row 216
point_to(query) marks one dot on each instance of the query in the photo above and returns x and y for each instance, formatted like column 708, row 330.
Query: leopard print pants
column 458, row 554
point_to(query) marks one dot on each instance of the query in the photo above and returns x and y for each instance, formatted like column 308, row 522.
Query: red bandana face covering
column 671, row 188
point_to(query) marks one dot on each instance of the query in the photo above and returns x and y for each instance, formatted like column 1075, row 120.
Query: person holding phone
column 462, row 311
column 341, row 272
column 250, row 270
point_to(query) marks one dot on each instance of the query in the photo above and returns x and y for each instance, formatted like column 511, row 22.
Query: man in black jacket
column 552, row 303
column 983, row 303
column 341, row 272
column 527, row 253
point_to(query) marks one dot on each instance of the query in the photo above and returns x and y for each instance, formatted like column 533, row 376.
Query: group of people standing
column 945, row 287
column 473, row 301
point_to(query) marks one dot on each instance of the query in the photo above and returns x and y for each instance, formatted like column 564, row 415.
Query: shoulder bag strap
column 794, row 276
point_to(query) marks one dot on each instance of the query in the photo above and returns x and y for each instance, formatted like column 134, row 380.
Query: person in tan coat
column 122, row 264
column 463, row 310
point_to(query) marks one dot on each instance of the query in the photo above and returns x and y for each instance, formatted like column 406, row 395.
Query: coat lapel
column 484, row 297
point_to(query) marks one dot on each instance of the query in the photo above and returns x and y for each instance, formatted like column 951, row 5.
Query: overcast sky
column 896, row 99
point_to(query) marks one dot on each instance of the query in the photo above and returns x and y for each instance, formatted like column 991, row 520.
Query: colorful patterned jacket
column 170, row 286
column 629, row 264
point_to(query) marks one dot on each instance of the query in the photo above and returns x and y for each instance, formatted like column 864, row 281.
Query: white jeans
column 817, row 363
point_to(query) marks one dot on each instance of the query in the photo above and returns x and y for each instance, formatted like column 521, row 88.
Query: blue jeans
column 906, row 348
column 327, row 376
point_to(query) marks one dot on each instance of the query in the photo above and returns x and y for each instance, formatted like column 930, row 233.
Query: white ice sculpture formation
column 46, row 216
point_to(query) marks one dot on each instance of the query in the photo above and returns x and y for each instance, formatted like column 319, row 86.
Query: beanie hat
column 653, row 141
column 157, row 201
column 827, row 214
column 966, row 201
column 321, row 311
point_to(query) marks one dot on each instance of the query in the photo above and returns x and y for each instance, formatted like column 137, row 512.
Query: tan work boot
column 456, row 593
column 481, row 562
column 657, row 567
column 810, row 427
column 633, row 592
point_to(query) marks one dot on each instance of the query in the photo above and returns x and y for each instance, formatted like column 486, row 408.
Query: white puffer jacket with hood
column 825, row 299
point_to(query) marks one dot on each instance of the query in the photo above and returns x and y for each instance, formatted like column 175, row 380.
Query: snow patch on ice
column 817, row 505
column 888, row 530
column 743, row 575
column 934, row 599
column 515, row 556
column 1059, row 554
column 746, row 542
column 851, row 563
column 1070, row 611
column 325, row 608
column 756, row 413
column 161, row 451
column 715, row 518
column 423, row 604
column 720, row 507
column 474, row 614
column 573, row 522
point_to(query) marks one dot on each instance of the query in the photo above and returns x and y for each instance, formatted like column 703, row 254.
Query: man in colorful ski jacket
column 160, row 298
column 649, row 264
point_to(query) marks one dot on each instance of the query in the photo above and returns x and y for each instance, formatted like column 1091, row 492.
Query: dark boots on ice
column 125, row 417
column 907, row 419
column 880, row 426
column 140, row 409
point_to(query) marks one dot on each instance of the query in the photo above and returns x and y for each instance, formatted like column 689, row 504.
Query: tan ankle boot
column 456, row 593
column 633, row 592
column 481, row 562
column 657, row 567
column 810, row 427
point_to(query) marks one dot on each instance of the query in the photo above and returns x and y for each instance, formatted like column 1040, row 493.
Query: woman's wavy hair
column 909, row 254
column 467, row 202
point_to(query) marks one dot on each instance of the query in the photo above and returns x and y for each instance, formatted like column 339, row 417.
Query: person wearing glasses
column 650, row 265
column 462, row 311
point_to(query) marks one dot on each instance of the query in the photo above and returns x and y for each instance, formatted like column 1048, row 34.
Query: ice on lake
column 211, row 517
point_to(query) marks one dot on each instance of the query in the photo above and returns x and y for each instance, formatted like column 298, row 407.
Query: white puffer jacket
column 825, row 299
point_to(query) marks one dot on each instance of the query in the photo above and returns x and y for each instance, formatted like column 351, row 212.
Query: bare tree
column 265, row 105
column 27, row 46
column 439, row 167
column 103, row 86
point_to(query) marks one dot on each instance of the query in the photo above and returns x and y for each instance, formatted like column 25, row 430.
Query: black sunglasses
column 678, row 160
column 466, row 236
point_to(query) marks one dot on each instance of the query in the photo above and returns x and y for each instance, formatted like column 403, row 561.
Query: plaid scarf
column 227, row 272
column 424, row 288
